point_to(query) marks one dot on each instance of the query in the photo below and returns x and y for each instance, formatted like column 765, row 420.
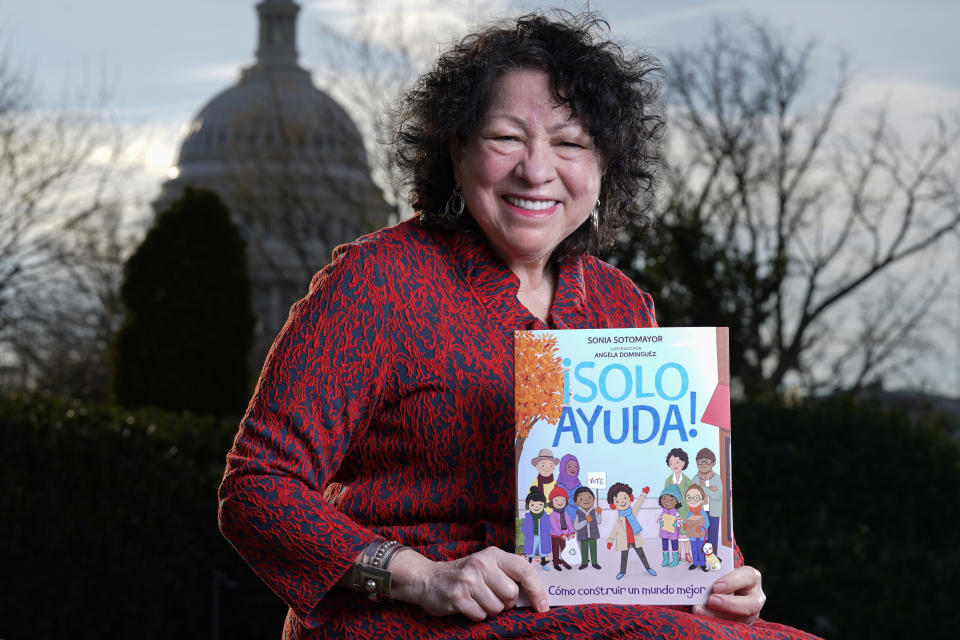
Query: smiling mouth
column 530, row 205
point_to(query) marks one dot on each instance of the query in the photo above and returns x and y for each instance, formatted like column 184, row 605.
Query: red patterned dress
column 385, row 409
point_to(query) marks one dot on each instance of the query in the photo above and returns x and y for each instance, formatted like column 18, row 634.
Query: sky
column 161, row 61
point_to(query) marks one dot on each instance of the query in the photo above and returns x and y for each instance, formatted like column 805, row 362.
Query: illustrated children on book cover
column 587, row 523
column 695, row 525
column 670, row 522
column 561, row 527
column 600, row 413
column 536, row 529
column 625, row 534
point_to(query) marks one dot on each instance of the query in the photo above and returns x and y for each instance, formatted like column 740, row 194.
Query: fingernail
column 716, row 601
column 543, row 605
column 720, row 586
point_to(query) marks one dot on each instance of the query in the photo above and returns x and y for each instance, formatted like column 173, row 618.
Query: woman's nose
column 536, row 166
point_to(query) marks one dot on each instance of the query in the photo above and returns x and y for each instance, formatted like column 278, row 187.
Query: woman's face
column 529, row 172
column 573, row 467
column 675, row 463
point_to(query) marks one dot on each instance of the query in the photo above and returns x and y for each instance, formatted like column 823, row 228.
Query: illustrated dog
column 713, row 562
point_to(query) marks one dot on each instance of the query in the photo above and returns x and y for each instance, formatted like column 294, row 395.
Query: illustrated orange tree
column 538, row 371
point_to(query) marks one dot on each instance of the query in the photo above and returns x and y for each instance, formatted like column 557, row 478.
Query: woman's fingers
column 522, row 575
column 480, row 585
column 482, row 581
column 739, row 579
column 474, row 599
column 737, row 596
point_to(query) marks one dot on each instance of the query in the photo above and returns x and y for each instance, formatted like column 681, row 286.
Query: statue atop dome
column 278, row 33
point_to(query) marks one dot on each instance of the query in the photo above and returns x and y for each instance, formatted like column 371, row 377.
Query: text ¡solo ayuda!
column 615, row 383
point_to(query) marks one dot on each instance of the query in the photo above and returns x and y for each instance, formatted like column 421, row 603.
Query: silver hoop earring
column 595, row 216
column 455, row 203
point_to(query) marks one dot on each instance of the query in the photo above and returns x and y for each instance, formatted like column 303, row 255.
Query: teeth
column 532, row 205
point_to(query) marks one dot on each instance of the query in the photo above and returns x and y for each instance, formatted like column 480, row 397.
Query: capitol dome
column 289, row 163
column 265, row 113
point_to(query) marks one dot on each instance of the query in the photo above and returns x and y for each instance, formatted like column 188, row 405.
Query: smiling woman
column 607, row 106
column 530, row 177
column 377, row 452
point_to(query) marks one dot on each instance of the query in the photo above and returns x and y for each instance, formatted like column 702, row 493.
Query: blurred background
column 172, row 174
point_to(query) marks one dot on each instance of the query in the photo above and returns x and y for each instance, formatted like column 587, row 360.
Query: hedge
column 109, row 522
column 850, row 513
column 110, row 526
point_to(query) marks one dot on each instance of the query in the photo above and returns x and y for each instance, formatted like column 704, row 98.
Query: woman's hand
column 480, row 585
column 736, row 596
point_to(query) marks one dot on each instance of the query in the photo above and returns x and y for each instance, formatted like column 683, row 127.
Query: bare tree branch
column 800, row 219
column 60, row 253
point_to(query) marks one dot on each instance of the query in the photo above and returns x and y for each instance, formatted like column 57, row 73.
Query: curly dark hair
column 616, row 488
column 678, row 453
column 615, row 96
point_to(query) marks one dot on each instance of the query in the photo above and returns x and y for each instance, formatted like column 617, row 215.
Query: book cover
column 623, row 462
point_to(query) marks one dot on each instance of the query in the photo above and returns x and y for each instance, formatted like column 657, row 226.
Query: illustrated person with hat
column 545, row 464
column 670, row 523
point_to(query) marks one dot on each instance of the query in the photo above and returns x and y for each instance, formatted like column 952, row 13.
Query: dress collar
column 481, row 267
column 491, row 279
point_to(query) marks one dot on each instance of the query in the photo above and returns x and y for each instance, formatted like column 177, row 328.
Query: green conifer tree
column 189, row 327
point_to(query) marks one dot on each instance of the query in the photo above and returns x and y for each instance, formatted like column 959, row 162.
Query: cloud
column 675, row 17
column 910, row 104
column 221, row 72
column 407, row 23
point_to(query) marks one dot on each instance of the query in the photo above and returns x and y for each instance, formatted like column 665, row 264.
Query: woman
column 569, row 478
column 385, row 410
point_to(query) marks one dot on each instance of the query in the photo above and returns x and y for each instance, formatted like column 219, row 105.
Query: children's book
column 623, row 462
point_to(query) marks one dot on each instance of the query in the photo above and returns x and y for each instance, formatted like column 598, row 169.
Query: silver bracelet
column 370, row 574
